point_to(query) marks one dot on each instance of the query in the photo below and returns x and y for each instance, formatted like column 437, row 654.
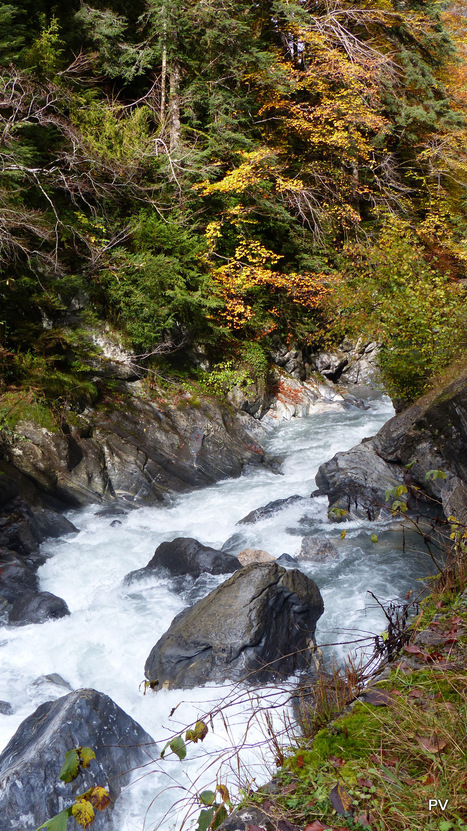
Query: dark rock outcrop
column 258, row 625
column 269, row 510
column 185, row 556
column 356, row 481
column 137, row 454
column 21, row 600
column 429, row 435
column 22, row 529
column 30, row 791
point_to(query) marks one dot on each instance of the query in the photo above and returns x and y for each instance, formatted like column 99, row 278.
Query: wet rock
column 186, row 556
column 356, row 481
column 287, row 561
column 6, row 709
column 52, row 524
column 294, row 399
column 254, row 555
column 259, row 625
column 8, row 488
column 268, row 510
column 430, row 435
column 30, row 764
column 136, row 454
column 234, row 542
column 21, row 601
column 317, row 549
column 53, row 678
column 22, row 529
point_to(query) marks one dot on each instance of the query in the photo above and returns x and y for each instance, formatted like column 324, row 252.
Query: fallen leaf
column 289, row 789
column 364, row 783
column 365, row 819
column 337, row 762
column 416, row 693
column 315, row 826
column 300, row 761
column 432, row 744
column 414, row 650
column 378, row 698
column 430, row 780
column 341, row 800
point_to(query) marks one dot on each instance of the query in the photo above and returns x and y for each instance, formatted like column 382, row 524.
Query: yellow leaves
column 255, row 253
column 213, row 233
column 83, row 809
column 99, row 798
column 252, row 269
column 284, row 184
column 241, row 178
column 83, row 812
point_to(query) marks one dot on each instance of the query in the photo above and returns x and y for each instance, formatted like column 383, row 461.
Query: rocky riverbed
column 108, row 632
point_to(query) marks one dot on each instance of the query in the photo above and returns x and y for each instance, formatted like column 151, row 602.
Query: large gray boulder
column 429, row 435
column 137, row 453
column 185, row 556
column 30, row 791
column 258, row 625
column 355, row 482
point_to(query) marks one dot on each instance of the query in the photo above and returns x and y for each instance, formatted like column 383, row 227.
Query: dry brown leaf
column 433, row 744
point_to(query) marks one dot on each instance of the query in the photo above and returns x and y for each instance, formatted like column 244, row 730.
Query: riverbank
column 390, row 756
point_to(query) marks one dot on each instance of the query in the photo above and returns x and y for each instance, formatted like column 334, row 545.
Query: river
column 104, row 642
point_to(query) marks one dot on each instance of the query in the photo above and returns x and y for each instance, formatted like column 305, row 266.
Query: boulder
column 22, row 529
column 254, row 555
column 21, row 601
column 353, row 363
column 30, row 790
column 268, row 510
column 258, row 626
column 185, row 556
column 431, row 435
column 317, row 549
column 136, row 454
column 355, row 482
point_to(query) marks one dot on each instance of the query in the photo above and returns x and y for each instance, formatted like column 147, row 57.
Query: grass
column 18, row 405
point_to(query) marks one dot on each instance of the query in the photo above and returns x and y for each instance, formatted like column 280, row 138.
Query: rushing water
column 104, row 642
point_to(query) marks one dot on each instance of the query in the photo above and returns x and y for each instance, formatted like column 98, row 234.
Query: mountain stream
column 104, row 642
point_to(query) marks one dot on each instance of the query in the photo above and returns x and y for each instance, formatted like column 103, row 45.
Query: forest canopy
column 234, row 174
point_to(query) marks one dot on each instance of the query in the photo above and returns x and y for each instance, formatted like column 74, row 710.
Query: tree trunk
column 174, row 106
column 164, row 72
